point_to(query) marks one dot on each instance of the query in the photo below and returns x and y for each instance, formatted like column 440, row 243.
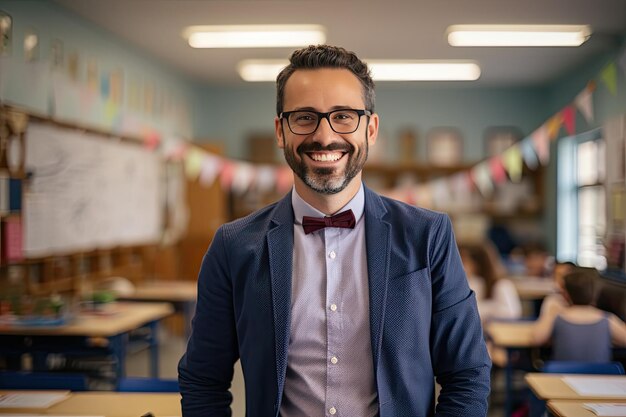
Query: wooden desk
column 182, row 294
column 561, row 408
column 533, row 288
column 110, row 404
column 115, row 327
column 551, row 387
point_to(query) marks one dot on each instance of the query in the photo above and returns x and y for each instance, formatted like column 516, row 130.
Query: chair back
column 42, row 380
column 147, row 385
column 601, row 368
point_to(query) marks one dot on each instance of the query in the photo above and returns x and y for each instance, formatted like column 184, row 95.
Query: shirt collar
column 302, row 208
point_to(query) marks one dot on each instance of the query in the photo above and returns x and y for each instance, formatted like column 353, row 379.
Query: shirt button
column 333, row 307
column 332, row 411
column 334, row 360
column 332, row 254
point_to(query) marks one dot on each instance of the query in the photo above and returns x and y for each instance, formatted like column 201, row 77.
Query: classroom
column 147, row 172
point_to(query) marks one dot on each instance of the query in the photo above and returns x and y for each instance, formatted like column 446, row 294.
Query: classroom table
column 511, row 336
column 552, row 387
column 562, row 408
column 107, row 404
column 114, row 324
column 181, row 294
column 533, row 288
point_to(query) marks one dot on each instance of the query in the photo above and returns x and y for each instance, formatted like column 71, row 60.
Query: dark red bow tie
column 343, row 219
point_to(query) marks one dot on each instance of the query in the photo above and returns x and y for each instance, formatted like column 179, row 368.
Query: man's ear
column 372, row 129
column 278, row 128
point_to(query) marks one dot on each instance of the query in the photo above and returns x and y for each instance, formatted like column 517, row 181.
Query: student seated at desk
column 496, row 296
column 580, row 331
column 557, row 300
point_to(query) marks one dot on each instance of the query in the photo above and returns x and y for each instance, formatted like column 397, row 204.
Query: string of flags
column 533, row 151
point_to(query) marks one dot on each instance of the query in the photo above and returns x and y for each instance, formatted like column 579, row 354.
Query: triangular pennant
column 584, row 102
column 609, row 76
column 441, row 193
column 226, row 175
column 210, row 168
column 528, row 152
column 265, row 178
column 541, row 143
column 498, row 174
column 193, row 162
column 482, row 178
column 151, row 140
column 569, row 119
column 284, row 179
column 553, row 125
column 512, row 160
column 242, row 178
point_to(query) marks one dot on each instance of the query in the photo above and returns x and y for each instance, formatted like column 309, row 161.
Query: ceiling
column 374, row 29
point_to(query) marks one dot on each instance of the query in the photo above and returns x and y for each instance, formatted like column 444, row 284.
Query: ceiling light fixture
column 254, row 36
column 266, row 70
column 518, row 35
column 424, row 70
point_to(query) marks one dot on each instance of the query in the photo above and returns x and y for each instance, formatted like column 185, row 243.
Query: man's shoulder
column 256, row 221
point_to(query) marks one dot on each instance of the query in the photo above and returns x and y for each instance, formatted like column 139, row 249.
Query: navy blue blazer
column 423, row 317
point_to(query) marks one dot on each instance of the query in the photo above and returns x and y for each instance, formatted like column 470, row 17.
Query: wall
column 153, row 97
column 233, row 114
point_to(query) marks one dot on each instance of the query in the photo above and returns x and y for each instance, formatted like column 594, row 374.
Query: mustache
column 317, row 147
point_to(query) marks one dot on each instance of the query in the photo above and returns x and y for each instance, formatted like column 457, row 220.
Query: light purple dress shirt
column 330, row 369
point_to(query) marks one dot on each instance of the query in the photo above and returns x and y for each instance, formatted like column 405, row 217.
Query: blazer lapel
column 280, row 249
column 377, row 241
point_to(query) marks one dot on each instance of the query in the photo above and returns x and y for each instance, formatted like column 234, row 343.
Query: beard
column 327, row 181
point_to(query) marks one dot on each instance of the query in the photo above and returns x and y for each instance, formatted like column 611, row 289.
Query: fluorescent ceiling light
column 424, row 70
column 254, row 36
column 518, row 35
column 261, row 69
column 267, row 70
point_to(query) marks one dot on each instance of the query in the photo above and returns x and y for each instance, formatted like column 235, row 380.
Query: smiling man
column 337, row 301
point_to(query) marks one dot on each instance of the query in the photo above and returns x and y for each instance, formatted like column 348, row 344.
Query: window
column 581, row 211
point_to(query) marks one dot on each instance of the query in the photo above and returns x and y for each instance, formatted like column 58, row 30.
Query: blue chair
column 602, row 368
column 147, row 385
column 538, row 407
column 42, row 380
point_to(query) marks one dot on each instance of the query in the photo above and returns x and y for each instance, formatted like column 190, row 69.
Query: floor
column 172, row 348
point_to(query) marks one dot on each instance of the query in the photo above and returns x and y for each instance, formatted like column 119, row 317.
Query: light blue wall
column 231, row 114
column 29, row 84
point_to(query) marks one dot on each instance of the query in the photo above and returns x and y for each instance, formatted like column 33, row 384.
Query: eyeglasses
column 305, row 122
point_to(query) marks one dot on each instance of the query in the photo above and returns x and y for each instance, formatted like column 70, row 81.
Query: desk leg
column 508, row 381
column 154, row 349
column 118, row 345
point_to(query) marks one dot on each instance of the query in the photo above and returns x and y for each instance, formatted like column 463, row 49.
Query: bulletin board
column 87, row 192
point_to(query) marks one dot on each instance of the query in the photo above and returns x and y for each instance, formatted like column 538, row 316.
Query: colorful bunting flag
column 242, row 178
column 482, row 178
column 512, row 160
column 553, row 125
column 541, row 142
column 193, row 162
column 584, row 102
column 609, row 76
column 498, row 174
column 569, row 119
column 210, row 169
column 265, row 178
column 227, row 174
column 528, row 152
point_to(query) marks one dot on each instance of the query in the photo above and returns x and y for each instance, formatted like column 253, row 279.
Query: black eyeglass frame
column 320, row 116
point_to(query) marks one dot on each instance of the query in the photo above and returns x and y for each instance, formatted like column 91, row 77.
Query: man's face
column 324, row 160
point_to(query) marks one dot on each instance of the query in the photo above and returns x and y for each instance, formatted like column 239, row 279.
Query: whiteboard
column 87, row 192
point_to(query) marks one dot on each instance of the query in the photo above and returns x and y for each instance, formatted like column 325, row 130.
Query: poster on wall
column 6, row 28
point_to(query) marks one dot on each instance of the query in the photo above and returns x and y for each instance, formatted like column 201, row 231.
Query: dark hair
column 326, row 56
column 484, row 255
column 580, row 285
